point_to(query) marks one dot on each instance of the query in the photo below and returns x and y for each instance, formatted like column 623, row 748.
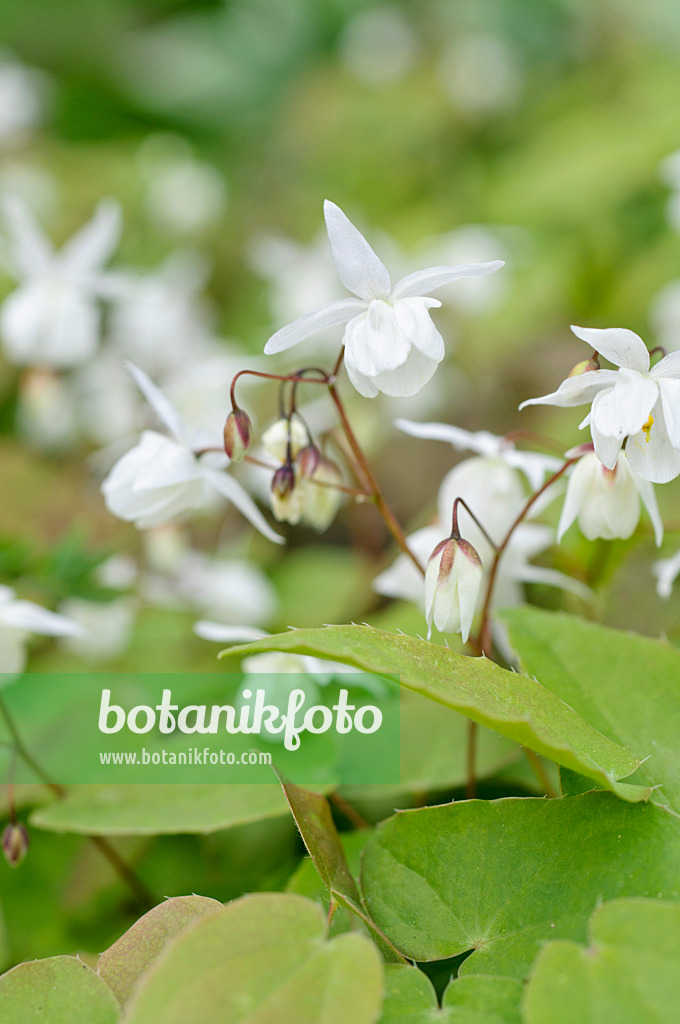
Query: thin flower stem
column 386, row 512
column 350, row 812
column 470, row 761
column 483, row 642
column 455, row 532
column 540, row 772
column 143, row 895
column 292, row 378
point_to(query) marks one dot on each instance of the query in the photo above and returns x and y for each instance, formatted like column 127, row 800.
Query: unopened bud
column 238, row 432
column 283, row 432
column 287, row 496
column 308, row 460
column 585, row 366
column 284, row 481
column 15, row 843
column 322, row 496
column 453, row 579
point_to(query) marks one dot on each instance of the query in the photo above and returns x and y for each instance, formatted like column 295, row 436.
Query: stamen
column 647, row 428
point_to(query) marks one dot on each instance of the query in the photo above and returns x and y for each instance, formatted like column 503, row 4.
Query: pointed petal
column 666, row 571
column 554, row 578
column 415, row 323
column 424, row 282
column 92, row 246
column 646, row 491
column 579, row 481
column 31, row 250
column 670, row 403
column 669, row 366
column 576, row 390
column 481, row 442
column 231, row 489
column 617, row 344
column 161, row 405
column 31, row 618
column 329, row 316
column 606, row 448
column 625, row 408
column 651, row 455
column 359, row 268
column 223, row 634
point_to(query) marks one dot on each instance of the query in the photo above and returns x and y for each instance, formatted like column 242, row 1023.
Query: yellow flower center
column 647, row 428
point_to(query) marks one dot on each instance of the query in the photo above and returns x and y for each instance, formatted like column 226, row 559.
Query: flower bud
column 275, row 438
column 238, row 432
column 308, row 460
column 585, row 366
column 287, row 496
column 453, row 579
column 15, row 843
column 321, row 495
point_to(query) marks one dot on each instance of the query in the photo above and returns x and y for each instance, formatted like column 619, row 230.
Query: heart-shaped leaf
column 60, row 990
column 474, row 999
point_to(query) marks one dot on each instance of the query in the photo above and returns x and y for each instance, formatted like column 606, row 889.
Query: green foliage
column 410, row 999
column 61, row 990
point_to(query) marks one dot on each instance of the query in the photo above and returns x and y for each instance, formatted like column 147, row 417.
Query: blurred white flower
column 118, row 572
column 633, row 402
column 481, row 74
column 199, row 385
column 18, row 620
column 108, row 405
column 163, row 477
column 46, row 413
column 666, row 571
column 53, row 317
column 300, row 276
column 606, row 502
column 107, row 627
column 186, row 196
column 391, row 344
column 158, row 318
column 664, row 315
column 24, row 92
column 534, row 465
column 378, row 45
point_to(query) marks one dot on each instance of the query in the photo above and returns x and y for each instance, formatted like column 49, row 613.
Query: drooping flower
column 18, row 620
column 634, row 403
column 606, row 502
column 391, row 343
column 53, row 317
column 453, row 580
column 164, row 477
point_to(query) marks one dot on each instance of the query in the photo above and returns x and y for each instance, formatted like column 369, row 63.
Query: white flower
column 23, row 91
column 606, row 502
column 632, row 402
column 391, row 344
column 453, row 580
column 666, row 571
column 163, row 477
column 534, row 465
column 107, row 627
column 18, row 619
column 53, row 317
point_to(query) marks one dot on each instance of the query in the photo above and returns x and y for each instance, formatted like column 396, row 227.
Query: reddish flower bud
column 308, row 460
column 15, row 843
column 238, row 431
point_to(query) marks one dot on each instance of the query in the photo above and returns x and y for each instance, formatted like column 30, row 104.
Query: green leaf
column 159, row 810
column 628, row 686
column 500, row 878
column 126, row 960
column 474, row 999
column 306, row 881
column 513, row 705
column 61, row 990
column 262, row 958
column 628, row 973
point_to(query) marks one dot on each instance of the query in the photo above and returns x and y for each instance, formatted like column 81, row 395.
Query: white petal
column 580, row 479
column 92, row 246
column 481, row 442
column 374, row 340
column 534, row 465
column 31, row 618
column 646, row 491
column 469, row 586
column 576, row 390
column 329, row 316
column 402, row 579
column 223, row 634
column 669, row 366
column 554, row 578
column 651, row 455
column 32, row 251
column 423, row 282
column 415, row 323
column 617, row 344
column 359, row 268
column 670, row 403
column 666, row 571
column 406, row 380
column 50, row 323
column 364, row 385
column 161, row 405
column 606, row 448
column 234, row 492
column 625, row 408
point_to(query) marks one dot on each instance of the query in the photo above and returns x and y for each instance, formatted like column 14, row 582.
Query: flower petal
column 407, row 380
column 651, row 455
column 666, row 571
column 669, row 366
column 92, row 246
column 617, row 344
column 374, row 340
column 625, row 408
column 223, row 634
column 31, row 250
column 161, row 405
column 423, row 282
column 670, row 402
column 232, row 490
column 329, row 316
column 31, row 618
column 481, row 441
column 415, row 323
column 646, row 491
column 580, row 479
column 576, row 390
column 359, row 268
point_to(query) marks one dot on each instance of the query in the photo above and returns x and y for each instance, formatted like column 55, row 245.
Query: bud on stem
column 453, row 580
column 238, row 432
column 15, row 843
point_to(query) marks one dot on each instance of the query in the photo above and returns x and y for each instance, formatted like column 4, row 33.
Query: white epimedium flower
column 534, row 465
column 666, row 571
column 164, row 477
column 53, row 317
column 633, row 402
column 606, row 502
column 18, row 620
column 453, row 580
column 391, row 343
